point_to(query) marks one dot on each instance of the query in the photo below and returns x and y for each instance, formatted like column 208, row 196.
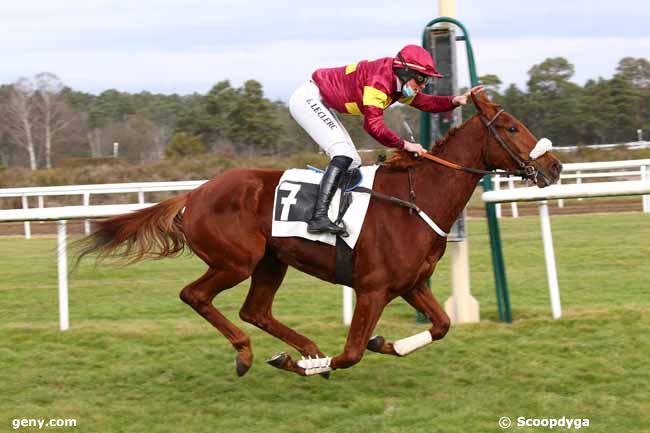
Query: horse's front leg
column 369, row 307
column 422, row 299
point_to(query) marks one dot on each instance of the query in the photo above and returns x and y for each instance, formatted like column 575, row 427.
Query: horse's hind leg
column 257, row 309
column 199, row 295
column 421, row 298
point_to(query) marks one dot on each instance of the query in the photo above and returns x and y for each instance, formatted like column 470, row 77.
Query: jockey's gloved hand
column 415, row 148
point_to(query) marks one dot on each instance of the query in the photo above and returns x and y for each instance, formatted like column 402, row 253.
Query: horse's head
column 511, row 146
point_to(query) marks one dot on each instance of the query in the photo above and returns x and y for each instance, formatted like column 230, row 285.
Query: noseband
column 526, row 168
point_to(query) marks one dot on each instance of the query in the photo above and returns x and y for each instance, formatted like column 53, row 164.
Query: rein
column 527, row 171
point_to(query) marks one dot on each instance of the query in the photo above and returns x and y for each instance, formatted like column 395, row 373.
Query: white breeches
column 308, row 109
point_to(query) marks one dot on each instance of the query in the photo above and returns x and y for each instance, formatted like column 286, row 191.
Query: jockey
column 366, row 89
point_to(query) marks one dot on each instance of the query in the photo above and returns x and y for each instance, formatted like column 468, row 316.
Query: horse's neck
column 449, row 190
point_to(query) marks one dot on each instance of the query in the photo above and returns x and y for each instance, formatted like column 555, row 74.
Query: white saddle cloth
column 292, row 181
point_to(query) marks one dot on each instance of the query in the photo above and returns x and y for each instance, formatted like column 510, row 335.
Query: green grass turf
column 136, row 359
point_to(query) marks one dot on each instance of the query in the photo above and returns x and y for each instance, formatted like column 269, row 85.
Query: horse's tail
column 152, row 232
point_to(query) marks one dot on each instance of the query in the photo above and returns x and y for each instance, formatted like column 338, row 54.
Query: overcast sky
column 186, row 46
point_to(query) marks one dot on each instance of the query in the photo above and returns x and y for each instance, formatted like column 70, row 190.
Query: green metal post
column 498, row 264
column 503, row 298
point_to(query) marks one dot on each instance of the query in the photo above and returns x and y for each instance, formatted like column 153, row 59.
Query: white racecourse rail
column 598, row 189
column 577, row 172
column 61, row 214
column 87, row 190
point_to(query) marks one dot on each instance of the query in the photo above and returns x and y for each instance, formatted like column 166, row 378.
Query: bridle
column 526, row 168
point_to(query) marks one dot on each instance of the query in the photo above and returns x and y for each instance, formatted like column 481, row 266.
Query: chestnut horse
column 227, row 223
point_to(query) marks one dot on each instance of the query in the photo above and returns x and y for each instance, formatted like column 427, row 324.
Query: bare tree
column 51, row 109
column 20, row 117
column 161, row 135
column 93, row 134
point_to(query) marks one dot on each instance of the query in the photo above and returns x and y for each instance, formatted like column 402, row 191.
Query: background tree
column 252, row 123
column 492, row 83
column 19, row 118
column 51, row 107
column 553, row 101
column 637, row 73
column 184, row 144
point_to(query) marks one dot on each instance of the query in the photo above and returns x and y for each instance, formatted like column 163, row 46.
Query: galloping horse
column 227, row 223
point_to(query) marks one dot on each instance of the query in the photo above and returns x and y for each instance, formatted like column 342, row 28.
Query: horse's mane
column 402, row 159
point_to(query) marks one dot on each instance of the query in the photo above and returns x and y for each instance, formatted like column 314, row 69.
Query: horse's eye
column 512, row 129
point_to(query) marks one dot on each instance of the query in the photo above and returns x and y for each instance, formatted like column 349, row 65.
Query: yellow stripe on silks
column 350, row 68
column 405, row 100
column 375, row 98
column 352, row 108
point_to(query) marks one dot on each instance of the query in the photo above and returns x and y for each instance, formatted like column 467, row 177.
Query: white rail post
column 28, row 227
column 497, row 187
column 579, row 181
column 560, row 202
column 513, row 205
column 461, row 306
column 86, row 222
column 347, row 305
column 646, row 198
column 62, row 256
column 141, row 197
column 41, row 204
column 551, row 270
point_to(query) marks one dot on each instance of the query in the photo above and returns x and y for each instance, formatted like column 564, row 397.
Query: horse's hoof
column 279, row 360
column 375, row 344
column 240, row 367
column 325, row 375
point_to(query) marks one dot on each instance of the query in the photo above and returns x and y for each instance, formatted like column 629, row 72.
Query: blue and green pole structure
column 503, row 298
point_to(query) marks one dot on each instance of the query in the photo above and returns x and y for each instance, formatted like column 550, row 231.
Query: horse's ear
column 483, row 104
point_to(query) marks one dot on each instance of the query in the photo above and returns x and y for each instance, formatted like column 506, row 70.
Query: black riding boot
column 320, row 222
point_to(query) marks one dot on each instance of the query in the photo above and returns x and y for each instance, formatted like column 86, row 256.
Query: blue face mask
column 407, row 91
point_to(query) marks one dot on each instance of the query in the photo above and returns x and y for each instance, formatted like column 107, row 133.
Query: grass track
column 138, row 360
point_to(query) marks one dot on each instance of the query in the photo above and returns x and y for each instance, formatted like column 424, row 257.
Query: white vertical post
column 86, row 222
column 141, row 197
column 347, row 305
column 461, row 306
column 447, row 8
column 551, row 271
column 513, row 205
column 497, row 187
column 560, row 202
column 116, row 149
column 646, row 198
column 28, row 227
column 41, row 203
column 64, row 320
column 579, row 181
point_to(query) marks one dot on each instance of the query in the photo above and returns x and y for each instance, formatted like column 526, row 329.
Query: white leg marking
column 315, row 365
column 410, row 344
